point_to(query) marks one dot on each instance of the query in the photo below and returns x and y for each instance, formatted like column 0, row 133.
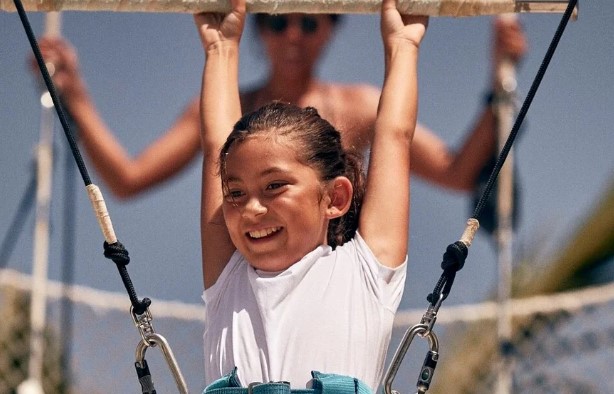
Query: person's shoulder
column 355, row 92
column 353, row 96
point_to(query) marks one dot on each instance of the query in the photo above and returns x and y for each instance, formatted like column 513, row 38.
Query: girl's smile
column 258, row 234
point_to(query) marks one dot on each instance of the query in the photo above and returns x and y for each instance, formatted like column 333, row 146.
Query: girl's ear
column 340, row 192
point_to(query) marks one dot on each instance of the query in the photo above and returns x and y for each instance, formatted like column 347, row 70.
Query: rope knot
column 141, row 306
column 116, row 252
column 454, row 257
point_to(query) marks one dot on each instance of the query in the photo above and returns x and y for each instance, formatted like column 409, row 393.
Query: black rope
column 115, row 251
column 51, row 89
column 453, row 261
column 525, row 108
column 121, row 258
column 454, row 257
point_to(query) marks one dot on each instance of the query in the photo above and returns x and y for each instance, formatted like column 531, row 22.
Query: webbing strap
column 322, row 384
column 337, row 384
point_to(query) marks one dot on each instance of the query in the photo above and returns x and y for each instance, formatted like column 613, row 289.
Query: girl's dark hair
column 317, row 144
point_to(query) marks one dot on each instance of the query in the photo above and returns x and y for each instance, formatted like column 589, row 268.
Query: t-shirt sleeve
column 213, row 293
column 388, row 283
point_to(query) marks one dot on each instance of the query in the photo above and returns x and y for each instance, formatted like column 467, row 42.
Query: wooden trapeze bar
column 447, row 8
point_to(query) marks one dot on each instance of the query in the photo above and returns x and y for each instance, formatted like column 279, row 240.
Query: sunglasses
column 278, row 24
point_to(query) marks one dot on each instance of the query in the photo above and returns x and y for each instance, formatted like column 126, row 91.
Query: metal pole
column 44, row 173
column 68, row 261
column 505, row 110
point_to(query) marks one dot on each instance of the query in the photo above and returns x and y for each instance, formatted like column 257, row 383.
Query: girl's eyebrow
column 273, row 170
column 232, row 179
column 268, row 171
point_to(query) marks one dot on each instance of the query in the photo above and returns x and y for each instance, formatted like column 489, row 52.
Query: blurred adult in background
column 293, row 43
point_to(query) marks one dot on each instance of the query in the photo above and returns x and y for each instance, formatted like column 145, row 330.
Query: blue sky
column 143, row 68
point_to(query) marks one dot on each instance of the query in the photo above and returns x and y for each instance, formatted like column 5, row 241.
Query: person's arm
column 220, row 110
column 125, row 176
column 384, row 219
column 433, row 160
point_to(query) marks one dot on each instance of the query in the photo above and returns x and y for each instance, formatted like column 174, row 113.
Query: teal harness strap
column 322, row 384
column 226, row 381
column 329, row 383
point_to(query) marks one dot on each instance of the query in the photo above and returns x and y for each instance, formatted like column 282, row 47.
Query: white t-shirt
column 331, row 312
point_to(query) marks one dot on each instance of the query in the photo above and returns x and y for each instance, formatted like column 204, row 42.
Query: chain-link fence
column 562, row 343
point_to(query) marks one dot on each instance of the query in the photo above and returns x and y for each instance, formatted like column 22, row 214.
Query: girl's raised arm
column 384, row 220
column 220, row 109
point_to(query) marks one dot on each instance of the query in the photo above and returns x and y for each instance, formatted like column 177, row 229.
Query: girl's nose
column 254, row 208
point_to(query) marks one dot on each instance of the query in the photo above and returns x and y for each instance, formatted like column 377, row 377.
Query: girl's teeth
column 263, row 233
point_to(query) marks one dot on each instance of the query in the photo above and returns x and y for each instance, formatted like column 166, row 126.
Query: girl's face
column 274, row 206
column 294, row 42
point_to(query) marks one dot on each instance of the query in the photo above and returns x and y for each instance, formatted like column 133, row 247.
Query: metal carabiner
column 430, row 316
column 143, row 322
column 430, row 362
column 153, row 340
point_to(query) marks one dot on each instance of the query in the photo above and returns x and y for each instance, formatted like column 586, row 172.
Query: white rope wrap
column 472, row 227
column 450, row 8
column 102, row 214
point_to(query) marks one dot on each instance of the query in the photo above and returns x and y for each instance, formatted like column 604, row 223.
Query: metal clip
column 430, row 316
column 149, row 338
column 430, row 362
column 143, row 323
column 157, row 339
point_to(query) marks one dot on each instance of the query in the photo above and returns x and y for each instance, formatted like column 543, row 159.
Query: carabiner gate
column 153, row 340
column 430, row 362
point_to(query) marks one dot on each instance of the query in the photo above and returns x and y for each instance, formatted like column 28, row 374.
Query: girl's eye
column 233, row 195
column 275, row 185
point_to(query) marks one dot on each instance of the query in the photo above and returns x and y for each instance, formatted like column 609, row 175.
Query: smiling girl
column 302, row 270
